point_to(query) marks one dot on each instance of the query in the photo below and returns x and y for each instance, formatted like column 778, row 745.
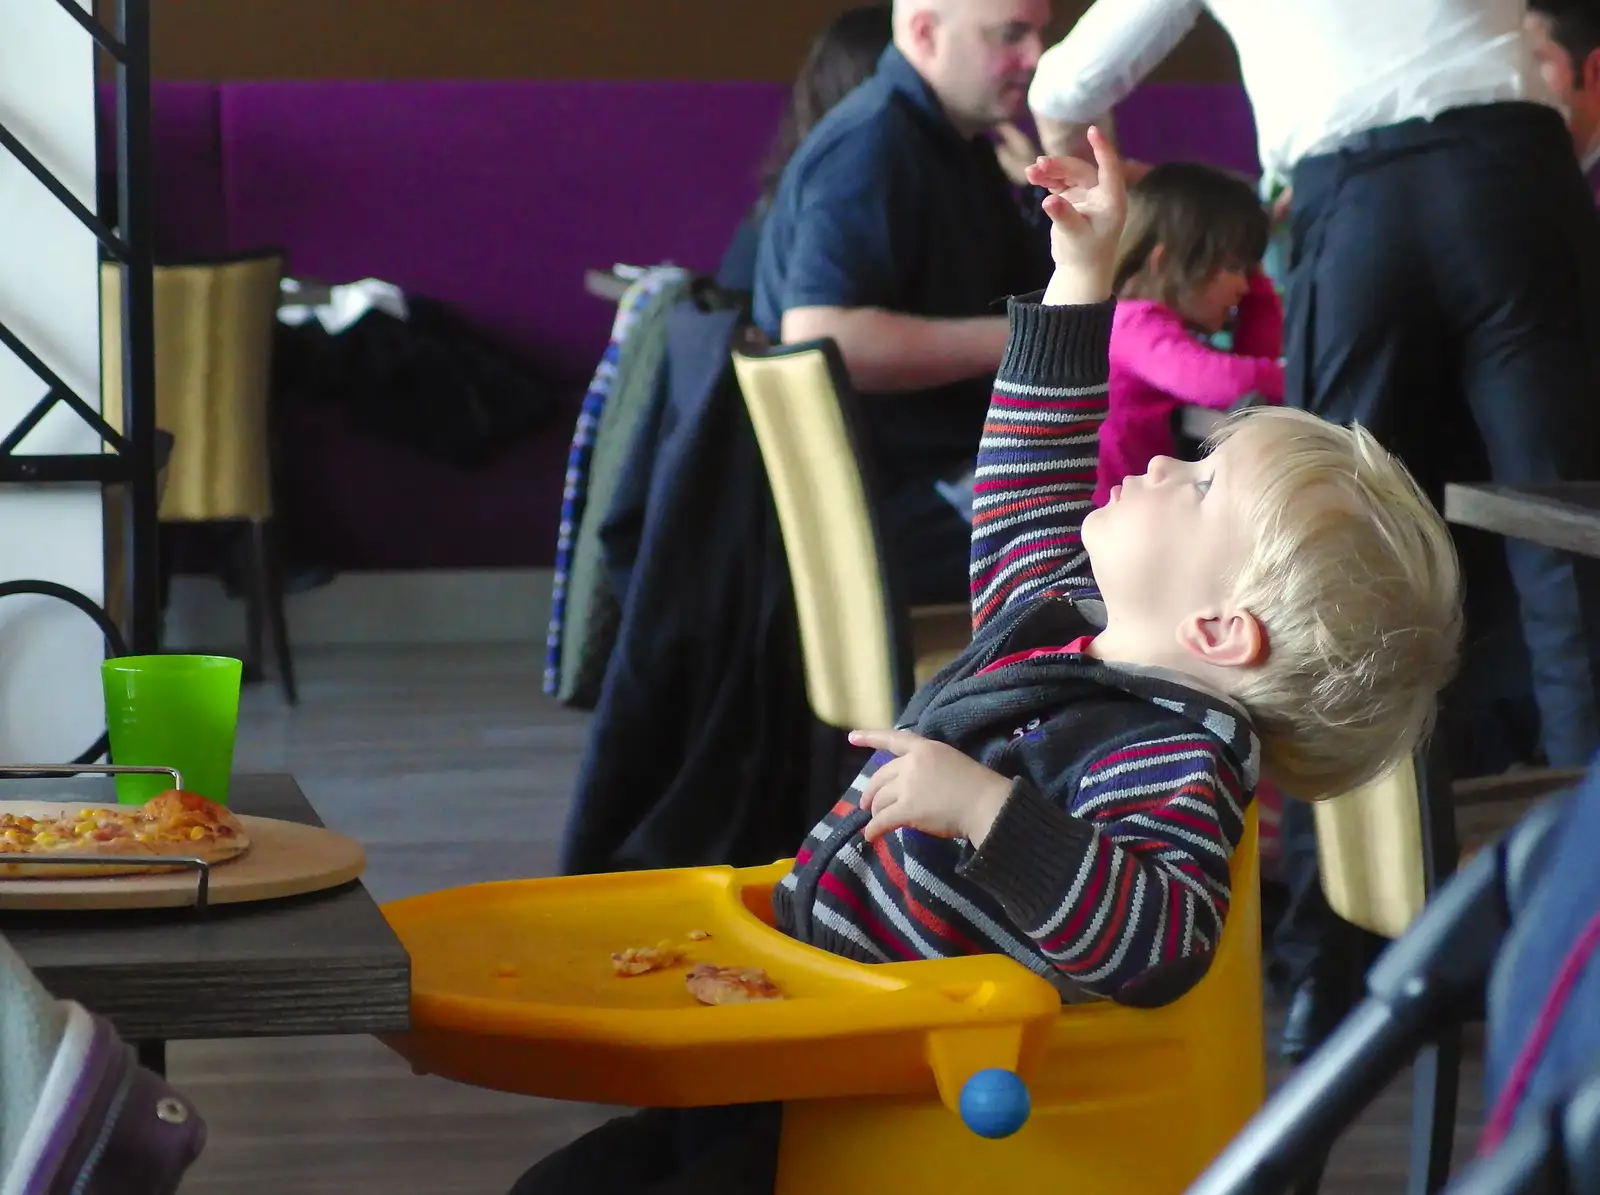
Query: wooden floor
column 396, row 746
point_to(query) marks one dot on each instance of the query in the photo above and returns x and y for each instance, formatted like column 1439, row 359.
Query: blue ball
column 995, row 1103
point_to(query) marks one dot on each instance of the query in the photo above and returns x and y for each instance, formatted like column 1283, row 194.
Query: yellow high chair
column 877, row 1066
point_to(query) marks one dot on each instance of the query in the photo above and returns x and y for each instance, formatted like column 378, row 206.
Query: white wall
column 51, row 706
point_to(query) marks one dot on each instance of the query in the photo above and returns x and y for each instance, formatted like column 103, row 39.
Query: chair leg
column 254, row 587
column 1311, row 1180
column 1441, row 848
column 267, row 565
column 1346, row 944
column 1435, row 1084
column 1436, row 1072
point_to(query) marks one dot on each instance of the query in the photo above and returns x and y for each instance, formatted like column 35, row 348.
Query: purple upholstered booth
column 496, row 197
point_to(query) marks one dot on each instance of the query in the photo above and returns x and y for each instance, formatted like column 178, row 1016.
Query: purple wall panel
column 495, row 196
column 1192, row 122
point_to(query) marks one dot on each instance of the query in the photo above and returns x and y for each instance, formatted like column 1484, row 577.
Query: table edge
column 1489, row 507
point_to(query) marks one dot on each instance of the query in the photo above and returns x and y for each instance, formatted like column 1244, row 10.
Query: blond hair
column 1354, row 579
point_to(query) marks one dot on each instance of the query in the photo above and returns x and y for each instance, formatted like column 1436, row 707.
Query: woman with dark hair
column 844, row 53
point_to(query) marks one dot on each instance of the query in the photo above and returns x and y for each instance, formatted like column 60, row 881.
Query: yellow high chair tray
column 513, row 988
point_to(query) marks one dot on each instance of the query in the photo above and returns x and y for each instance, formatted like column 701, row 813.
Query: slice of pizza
column 711, row 984
column 172, row 824
column 178, row 815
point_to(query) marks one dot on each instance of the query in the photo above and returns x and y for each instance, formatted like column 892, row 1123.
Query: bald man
column 895, row 232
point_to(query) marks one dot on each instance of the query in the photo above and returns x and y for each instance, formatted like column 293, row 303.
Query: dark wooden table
column 1564, row 515
column 322, row 963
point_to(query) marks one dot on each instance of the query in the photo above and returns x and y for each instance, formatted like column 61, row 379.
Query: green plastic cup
column 172, row 712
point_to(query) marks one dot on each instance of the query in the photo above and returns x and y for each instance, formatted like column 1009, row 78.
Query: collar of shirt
column 902, row 77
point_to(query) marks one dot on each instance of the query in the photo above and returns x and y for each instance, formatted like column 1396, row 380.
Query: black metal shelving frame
column 131, row 459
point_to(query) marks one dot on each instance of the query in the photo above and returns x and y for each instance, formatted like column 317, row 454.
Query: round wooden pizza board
column 284, row 859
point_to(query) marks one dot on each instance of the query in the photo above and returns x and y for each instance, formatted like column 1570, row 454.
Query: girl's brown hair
column 843, row 55
column 1204, row 219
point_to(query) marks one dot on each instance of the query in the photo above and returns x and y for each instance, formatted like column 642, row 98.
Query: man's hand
column 1282, row 205
column 1062, row 138
column 930, row 787
column 1015, row 152
column 1087, row 206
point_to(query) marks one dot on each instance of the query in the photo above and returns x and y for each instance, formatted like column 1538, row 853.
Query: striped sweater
column 1107, row 870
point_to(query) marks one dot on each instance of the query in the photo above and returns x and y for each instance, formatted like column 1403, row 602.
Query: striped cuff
column 1031, row 851
column 1057, row 346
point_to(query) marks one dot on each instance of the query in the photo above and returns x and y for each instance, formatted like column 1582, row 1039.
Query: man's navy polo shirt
column 885, row 204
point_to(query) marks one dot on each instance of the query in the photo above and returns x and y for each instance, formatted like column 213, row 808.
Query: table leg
column 153, row 1056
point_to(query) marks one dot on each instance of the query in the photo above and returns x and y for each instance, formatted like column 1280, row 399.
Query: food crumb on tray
column 711, row 984
column 641, row 960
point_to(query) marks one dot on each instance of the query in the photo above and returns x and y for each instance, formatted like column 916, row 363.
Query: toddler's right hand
column 1087, row 206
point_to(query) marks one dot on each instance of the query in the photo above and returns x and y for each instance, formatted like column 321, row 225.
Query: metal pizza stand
column 284, row 858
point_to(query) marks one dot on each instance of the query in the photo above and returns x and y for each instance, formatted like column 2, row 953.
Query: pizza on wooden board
column 174, row 823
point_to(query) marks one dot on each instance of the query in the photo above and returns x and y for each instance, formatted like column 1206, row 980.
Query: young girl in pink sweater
column 1189, row 256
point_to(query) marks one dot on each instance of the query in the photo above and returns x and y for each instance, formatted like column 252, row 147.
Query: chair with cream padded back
column 864, row 651
column 1382, row 851
column 214, row 326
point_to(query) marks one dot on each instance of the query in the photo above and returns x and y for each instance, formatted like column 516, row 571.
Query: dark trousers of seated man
column 928, row 544
column 1444, row 291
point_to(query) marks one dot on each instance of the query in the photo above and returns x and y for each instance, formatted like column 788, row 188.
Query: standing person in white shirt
column 1444, row 290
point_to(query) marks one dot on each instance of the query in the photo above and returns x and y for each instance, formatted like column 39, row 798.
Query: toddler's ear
column 1224, row 638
